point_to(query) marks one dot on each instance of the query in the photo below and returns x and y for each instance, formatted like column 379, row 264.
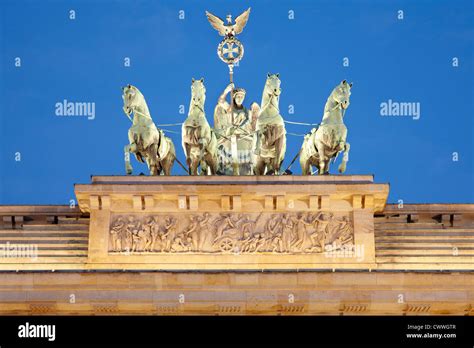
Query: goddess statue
column 234, row 125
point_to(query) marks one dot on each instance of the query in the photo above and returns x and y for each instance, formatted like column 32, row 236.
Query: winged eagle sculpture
column 229, row 29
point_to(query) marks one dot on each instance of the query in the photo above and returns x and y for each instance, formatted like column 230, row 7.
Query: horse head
column 342, row 93
column 133, row 100
column 198, row 94
column 272, row 85
column 271, row 94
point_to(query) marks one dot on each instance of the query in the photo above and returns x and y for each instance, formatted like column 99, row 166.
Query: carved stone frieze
column 281, row 233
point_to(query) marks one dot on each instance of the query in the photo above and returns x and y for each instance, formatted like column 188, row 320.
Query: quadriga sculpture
column 329, row 138
column 198, row 139
column 148, row 143
column 270, row 135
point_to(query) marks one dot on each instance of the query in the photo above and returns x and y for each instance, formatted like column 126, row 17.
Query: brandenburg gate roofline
column 233, row 179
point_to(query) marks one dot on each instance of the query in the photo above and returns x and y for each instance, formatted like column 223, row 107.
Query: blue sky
column 82, row 60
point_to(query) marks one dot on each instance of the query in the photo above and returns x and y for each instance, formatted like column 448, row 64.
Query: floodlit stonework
column 237, row 245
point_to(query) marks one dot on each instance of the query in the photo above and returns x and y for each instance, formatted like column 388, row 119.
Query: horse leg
column 167, row 163
column 322, row 159
column 169, row 159
column 345, row 158
column 159, row 165
column 256, row 166
column 271, row 166
column 194, row 164
column 127, row 149
column 277, row 161
column 187, row 153
column 159, row 169
column 213, row 165
column 152, row 159
column 305, row 167
column 210, row 162
column 212, row 150
column 327, row 165
column 322, row 164
column 152, row 166
column 204, row 167
column 259, row 166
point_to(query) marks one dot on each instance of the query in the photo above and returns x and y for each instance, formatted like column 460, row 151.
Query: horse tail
column 212, row 145
column 160, row 137
column 172, row 149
